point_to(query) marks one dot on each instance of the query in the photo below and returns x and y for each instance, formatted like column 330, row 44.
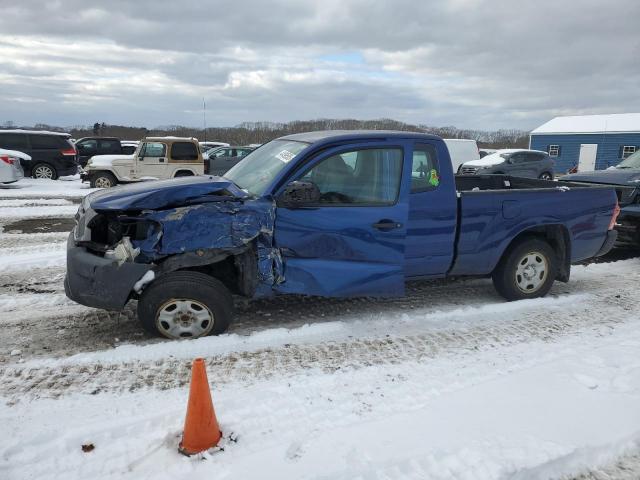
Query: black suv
column 52, row 153
column 90, row 146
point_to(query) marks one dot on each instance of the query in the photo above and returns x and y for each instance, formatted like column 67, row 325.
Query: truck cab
column 156, row 158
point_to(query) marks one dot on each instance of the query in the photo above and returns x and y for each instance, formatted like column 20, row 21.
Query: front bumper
column 609, row 241
column 97, row 282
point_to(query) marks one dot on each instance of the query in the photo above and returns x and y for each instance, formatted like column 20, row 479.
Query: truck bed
column 495, row 209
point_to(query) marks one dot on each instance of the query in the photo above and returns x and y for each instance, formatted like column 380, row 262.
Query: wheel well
column 237, row 269
column 183, row 173
column 557, row 236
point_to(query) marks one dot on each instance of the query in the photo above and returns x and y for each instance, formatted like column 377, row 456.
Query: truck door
column 431, row 227
column 151, row 161
column 351, row 241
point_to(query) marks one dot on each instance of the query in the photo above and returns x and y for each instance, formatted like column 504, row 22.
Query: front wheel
column 103, row 180
column 527, row 270
column 44, row 170
column 185, row 305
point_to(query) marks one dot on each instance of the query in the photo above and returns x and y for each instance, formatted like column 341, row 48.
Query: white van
column 461, row 151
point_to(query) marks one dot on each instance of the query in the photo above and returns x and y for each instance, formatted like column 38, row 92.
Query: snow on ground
column 448, row 382
column 66, row 187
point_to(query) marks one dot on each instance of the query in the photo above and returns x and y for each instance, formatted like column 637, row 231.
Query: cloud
column 471, row 63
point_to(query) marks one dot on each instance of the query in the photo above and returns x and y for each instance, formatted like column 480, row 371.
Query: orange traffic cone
column 201, row 430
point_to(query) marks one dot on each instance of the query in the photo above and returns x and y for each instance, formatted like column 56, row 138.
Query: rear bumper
column 608, row 244
column 97, row 282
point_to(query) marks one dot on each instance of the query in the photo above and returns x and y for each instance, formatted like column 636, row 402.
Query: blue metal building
column 591, row 142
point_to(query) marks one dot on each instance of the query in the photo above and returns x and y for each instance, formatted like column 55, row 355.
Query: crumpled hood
column 614, row 176
column 163, row 194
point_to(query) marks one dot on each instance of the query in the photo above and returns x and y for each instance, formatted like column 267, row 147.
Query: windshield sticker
column 286, row 156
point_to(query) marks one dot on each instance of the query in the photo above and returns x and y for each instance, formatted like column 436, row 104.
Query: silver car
column 10, row 168
column 514, row 162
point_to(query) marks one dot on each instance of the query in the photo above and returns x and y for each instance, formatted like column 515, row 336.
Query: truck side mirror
column 298, row 194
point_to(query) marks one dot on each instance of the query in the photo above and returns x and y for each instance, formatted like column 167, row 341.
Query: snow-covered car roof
column 15, row 153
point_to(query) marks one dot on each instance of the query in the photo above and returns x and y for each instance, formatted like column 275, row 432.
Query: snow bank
column 42, row 188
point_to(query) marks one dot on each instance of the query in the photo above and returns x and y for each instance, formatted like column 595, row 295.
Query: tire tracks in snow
column 598, row 316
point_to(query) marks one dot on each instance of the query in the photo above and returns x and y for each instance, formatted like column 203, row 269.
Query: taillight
column 68, row 151
column 6, row 159
column 614, row 217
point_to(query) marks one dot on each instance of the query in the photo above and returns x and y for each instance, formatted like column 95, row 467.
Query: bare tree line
column 261, row 132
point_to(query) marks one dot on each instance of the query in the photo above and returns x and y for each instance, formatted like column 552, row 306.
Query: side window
column 46, row 142
column 111, row 146
column 13, row 141
column 152, row 149
column 184, row 151
column 88, row 146
column 359, row 177
column 425, row 172
column 517, row 158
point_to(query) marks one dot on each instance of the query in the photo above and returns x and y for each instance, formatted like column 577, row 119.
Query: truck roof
column 313, row 137
column 172, row 139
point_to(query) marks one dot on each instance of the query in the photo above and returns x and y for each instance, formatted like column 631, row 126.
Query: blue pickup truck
column 334, row 214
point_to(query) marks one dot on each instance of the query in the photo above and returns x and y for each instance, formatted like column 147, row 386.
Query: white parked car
column 206, row 146
column 10, row 169
column 461, row 151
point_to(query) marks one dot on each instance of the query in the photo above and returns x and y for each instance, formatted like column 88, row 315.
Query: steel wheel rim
column 531, row 272
column 42, row 171
column 184, row 318
column 103, row 182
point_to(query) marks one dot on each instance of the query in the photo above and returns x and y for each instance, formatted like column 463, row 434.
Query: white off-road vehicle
column 156, row 158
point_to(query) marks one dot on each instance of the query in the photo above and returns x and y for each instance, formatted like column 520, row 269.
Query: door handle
column 386, row 225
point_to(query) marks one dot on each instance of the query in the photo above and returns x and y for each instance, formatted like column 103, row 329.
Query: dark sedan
column 217, row 161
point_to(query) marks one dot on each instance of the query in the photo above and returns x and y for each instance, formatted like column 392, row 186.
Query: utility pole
column 204, row 117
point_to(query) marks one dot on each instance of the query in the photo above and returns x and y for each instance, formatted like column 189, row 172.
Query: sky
column 468, row 63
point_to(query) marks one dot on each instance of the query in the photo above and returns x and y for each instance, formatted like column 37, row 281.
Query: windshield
column 260, row 167
column 630, row 162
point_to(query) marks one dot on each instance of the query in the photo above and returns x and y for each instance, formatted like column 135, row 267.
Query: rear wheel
column 103, row 180
column 546, row 176
column 183, row 173
column 44, row 170
column 185, row 305
column 527, row 270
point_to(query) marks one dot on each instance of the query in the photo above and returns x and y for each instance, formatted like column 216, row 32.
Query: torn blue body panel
column 217, row 226
column 198, row 213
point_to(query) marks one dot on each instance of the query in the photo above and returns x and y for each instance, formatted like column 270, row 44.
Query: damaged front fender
column 207, row 233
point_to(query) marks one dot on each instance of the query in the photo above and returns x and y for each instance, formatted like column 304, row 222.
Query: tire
column 44, row 170
column 103, row 180
column 518, row 275
column 179, row 304
column 546, row 176
column 183, row 173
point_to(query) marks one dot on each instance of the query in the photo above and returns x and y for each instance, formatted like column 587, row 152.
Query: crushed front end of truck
column 126, row 238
